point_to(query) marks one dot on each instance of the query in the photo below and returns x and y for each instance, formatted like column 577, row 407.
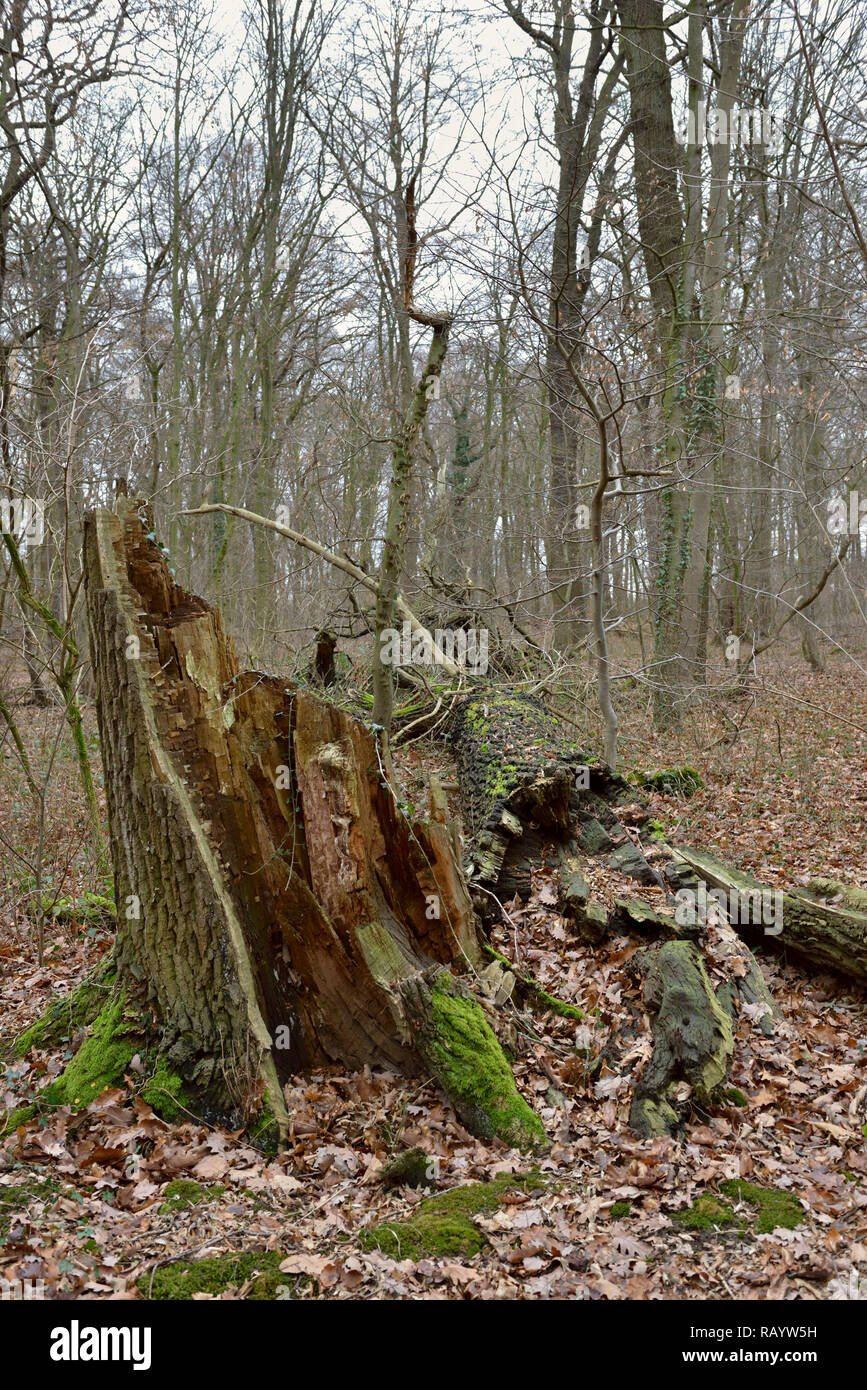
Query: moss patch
column 442, row 1225
column 830, row 888
column 65, row 1017
column 100, row 1061
column 113, row 1039
column 707, row 1213
column 620, row 1210
column 468, row 1062
column 414, row 1168
column 91, row 909
column 184, row 1193
column 734, row 1097
column 19, row 1197
column 558, row 1006
column 213, row 1276
column 13, row 1118
column 775, row 1207
column 164, row 1091
column 673, row 781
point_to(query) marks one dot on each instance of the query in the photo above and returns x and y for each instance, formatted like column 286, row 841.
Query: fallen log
column 522, row 785
column 692, row 1036
column 277, row 911
column 824, row 923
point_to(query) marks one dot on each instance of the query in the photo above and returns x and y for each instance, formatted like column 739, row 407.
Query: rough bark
column 276, row 909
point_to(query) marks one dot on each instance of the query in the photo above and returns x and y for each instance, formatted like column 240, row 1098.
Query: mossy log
column 523, row 784
column 524, row 787
column 692, row 1035
column 275, row 908
column 824, row 923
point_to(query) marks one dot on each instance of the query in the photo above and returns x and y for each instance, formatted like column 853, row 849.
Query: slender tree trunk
column 397, row 524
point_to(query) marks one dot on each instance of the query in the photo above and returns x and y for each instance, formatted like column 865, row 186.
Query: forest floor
column 765, row 1197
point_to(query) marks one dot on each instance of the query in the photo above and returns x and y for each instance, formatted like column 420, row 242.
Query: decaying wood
column 522, row 786
column 824, row 923
column 282, row 907
column 278, row 912
column 692, row 1036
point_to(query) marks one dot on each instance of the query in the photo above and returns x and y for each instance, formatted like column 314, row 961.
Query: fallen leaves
column 101, row 1220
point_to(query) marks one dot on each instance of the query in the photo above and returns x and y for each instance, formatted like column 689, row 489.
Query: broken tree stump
column 277, row 911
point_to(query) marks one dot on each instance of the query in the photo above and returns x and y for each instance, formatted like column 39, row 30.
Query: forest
column 433, row 725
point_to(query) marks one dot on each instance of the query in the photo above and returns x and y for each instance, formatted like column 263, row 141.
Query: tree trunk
column 276, row 909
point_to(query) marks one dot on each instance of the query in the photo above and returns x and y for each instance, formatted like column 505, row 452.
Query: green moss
column 501, row 779
column 476, row 717
column 65, row 1017
column 855, row 898
column 468, row 1062
column 100, row 1062
column 775, row 1207
column 653, row 1117
column 706, row 1213
column 734, row 1097
column 427, row 1238
column 413, row 1168
column 184, row 1193
column 538, row 998
column 91, row 909
column 558, row 1006
column 442, row 1225
column 13, row 1118
column 673, row 781
column 19, row 1197
column 164, row 1091
column 620, row 1210
column 183, row 1279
